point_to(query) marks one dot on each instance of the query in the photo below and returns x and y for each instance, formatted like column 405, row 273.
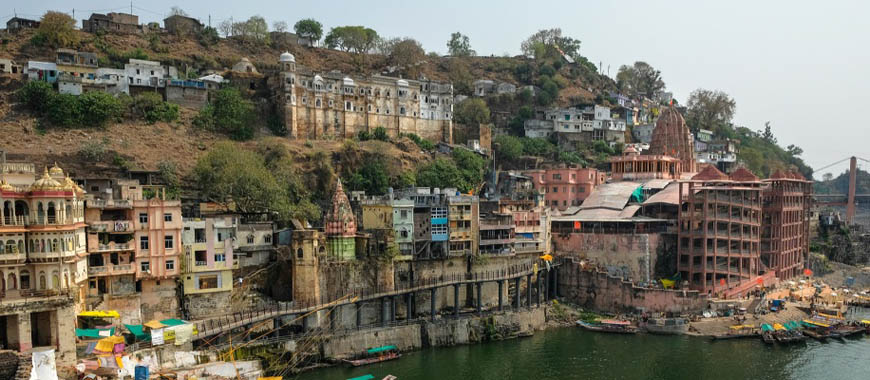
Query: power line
column 828, row 166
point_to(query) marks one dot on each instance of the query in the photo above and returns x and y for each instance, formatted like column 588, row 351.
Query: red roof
column 778, row 175
column 710, row 173
column 743, row 175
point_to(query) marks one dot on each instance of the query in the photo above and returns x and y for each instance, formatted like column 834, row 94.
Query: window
column 557, row 176
column 168, row 241
column 348, row 106
column 167, row 217
column 220, row 257
column 404, row 214
column 146, row 266
column 439, row 229
column 199, row 258
column 267, row 238
column 250, row 239
column 170, row 264
column 208, row 282
column 404, row 233
column 401, row 110
column 555, row 189
column 143, row 217
column 143, row 243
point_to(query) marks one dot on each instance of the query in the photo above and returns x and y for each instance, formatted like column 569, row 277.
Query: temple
column 672, row 137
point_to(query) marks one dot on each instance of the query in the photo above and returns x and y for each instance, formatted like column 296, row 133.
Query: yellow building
column 209, row 260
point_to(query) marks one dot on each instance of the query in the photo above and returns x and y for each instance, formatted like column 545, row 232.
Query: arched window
column 12, row 283
column 55, row 280
column 299, row 254
column 2, row 248
column 10, row 246
column 52, row 213
column 54, row 247
column 40, row 213
column 25, row 279
column 69, row 212
column 42, row 284
column 21, row 246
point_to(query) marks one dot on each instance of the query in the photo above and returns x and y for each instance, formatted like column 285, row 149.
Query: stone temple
column 671, row 137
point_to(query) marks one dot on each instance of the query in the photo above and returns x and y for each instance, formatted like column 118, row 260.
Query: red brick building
column 785, row 225
column 565, row 187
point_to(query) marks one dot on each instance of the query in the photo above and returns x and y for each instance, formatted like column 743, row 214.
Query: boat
column 363, row 377
column 767, row 334
column 667, row 326
column 737, row 332
column 609, row 326
column 848, row 330
column 376, row 355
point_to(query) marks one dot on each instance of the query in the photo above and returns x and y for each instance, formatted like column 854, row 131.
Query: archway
column 40, row 214
column 12, row 282
column 52, row 213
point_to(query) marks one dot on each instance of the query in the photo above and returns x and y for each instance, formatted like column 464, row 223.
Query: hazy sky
column 802, row 65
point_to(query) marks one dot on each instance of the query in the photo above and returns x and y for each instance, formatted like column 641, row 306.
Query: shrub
column 228, row 113
column 421, row 142
column 63, row 110
column 96, row 108
column 364, row 136
column 150, row 107
column 56, row 29
column 380, row 134
column 35, row 95
column 93, row 151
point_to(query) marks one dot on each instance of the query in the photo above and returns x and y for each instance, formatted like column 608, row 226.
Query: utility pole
column 209, row 20
column 850, row 203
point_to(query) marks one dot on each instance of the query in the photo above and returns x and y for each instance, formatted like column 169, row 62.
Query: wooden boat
column 737, row 332
column 667, row 326
column 609, row 326
column 848, row 330
column 376, row 355
column 767, row 337
column 789, row 336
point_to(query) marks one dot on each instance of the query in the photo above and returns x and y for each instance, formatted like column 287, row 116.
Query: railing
column 8, row 220
column 201, row 263
column 112, row 226
column 122, row 268
column 103, row 203
column 114, row 247
column 98, row 270
column 18, row 167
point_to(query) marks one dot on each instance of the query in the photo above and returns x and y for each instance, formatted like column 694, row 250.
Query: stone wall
column 187, row 96
column 204, row 305
column 595, row 289
column 629, row 256
column 159, row 299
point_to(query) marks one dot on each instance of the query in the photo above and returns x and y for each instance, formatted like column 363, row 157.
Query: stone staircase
column 25, row 365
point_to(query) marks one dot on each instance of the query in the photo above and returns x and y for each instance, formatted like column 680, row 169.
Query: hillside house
column 112, row 22
column 42, row 71
column 182, row 25
column 8, row 66
column 486, row 87
column 17, row 23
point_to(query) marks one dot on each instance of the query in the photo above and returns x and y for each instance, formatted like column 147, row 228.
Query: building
column 8, row 66
column 719, row 232
column 642, row 133
column 42, row 258
column 633, row 166
column 531, row 220
column 785, row 224
column 207, row 267
column 256, row 245
column 497, row 230
column 330, row 105
column 77, row 64
column 17, row 23
column 704, row 135
column 584, row 124
column 42, row 71
column 190, row 93
column 486, row 87
column 340, row 227
column 145, row 74
column 135, row 247
column 390, row 213
column 182, row 25
column 112, row 22
column 430, row 221
column 463, row 213
column 671, row 137
column 565, row 187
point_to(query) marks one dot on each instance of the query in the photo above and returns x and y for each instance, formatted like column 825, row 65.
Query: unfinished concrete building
column 785, row 224
column 720, row 231
column 672, row 137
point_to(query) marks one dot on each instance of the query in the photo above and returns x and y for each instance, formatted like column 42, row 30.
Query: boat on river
column 737, row 332
column 667, row 326
column 376, row 355
column 609, row 326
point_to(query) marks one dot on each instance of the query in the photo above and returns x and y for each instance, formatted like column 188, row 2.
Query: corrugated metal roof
column 610, row 195
column 657, row 183
column 669, row 195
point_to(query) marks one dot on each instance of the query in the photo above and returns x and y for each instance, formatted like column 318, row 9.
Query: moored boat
column 376, row 355
column 737, row 332
column 609, row 326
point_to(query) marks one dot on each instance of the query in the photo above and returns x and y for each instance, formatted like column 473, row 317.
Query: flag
column 808, row 272
column 576, row 225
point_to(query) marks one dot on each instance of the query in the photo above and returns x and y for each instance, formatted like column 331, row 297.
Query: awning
column 172, row 322
column 107, row 345
column 138, row 331
column 95, row 333
column 741, row 327
column 381, row 349
column 154, row 325
column 363, row 377
column 100, row 314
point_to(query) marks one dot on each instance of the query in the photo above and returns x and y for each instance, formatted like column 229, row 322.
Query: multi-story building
column 719, row 231
column 209, row 260
column 255, row 244
column 583, row 124
column 785, row 224
column 463, row 212
column 42, row 258
column 78, row 64
column 134, row 245
column 387, row 212
column 496, row 227
column 332, row 104
column 112, row 22
column 486, row 87
column 531, row 219
column 565, row 187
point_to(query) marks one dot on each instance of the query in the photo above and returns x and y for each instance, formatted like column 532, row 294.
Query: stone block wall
column 632, row 256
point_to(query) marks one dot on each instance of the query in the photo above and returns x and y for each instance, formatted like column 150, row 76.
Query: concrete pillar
column 517, row 293
column 393, row 301
column 25, row 343
column 529, row 290
column 432, row 303
column 65, row 335
column 500, row 295
column 547, row 286
column 538, row 282
column 456, row 299
column 359, row 311
column 276, row 327
column 479, row 298
column 409, row 306
column 556, row 283
column 385, row 312
column 305, row 322
column 333, row 316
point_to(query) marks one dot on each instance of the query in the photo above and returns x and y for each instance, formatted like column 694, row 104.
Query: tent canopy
column 154, row 325
column 138, row 331
column 100, row 314
column 94, row 333
column 172, row 322
column 381, row 349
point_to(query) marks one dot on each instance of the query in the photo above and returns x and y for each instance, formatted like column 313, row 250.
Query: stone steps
column 25, row 365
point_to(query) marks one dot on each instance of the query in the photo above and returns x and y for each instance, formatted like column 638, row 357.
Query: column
column 432, row 303
column 276, row 327
column 456, row 299
column 385, row 313
column 529, row 290
column 332, row 317
column 500, row 295
column 409, row 306
column 556, row 282
column 538, row 282
column 393, row 302
column 359, row 311
column 547, row 287
column 517, row 293
column 479, row 298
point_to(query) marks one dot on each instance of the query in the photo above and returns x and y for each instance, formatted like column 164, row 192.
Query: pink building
column 565, row 187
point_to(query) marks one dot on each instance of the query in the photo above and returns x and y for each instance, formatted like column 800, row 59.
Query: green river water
column 572, row 353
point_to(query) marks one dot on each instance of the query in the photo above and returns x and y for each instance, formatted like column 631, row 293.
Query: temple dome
column 347, row 81
column 55, row 171
column 286, row 57
column 46, row 183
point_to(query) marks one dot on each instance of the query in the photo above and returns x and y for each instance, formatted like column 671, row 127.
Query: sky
column 804, row 66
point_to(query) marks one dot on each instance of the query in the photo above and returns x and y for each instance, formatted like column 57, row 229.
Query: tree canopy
column 460, row 46
column 228, row 113
column 639, row 79
column 357, row 39
column 709, row 109
column 405, row 52
column 547, row 44
column 310, row 29
column 254, row 29
column 56, row 30
column 472, row 112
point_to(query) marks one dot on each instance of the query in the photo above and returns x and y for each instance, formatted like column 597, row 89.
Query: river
column 572, row 353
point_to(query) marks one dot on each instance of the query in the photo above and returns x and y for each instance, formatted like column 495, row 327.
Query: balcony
column 109, row 203
column 8, row 220
column 112, row 226
column 114, row 247
column 98, row 271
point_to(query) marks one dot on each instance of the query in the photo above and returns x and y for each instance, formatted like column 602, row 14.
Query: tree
column 640, row 79
column 208, row 36
column 177, row 11
column 406, row 52
column 709, row 109
column 550, row 44
column 472, row 112
column 460, row 46
column 309, row 29
column 226, row 28
column 827, row 177
column 254, row 29
column 98, row 108
column 35, row 95
column 460, row 75
column 279, row 26
column 228, row 113
column 56, row 30
column 372, row 177
column 507, row 148
column 794, row 150
column 441, row 173
column 357, row 39
column 767, row 134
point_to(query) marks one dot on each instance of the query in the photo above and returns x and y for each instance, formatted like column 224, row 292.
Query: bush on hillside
column 228, row 113
column 96, row 108
column 150, row 107
column 35, row 95
column 421, row 142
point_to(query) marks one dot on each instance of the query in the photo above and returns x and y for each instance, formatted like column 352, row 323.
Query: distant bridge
column 847, row 200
